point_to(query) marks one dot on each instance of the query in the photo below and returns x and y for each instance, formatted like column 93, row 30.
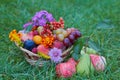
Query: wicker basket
column 33, row 58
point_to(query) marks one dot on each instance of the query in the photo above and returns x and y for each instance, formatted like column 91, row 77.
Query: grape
column 67, row 42
column 58, row 31
column 65, row 33
column 39, row 29
column 69, row 31
column 71, row 37
column 72, row 29
column 60, row 37
column 78, row 34
column 73, row 33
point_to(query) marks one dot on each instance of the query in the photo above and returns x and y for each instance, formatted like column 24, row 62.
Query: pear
column 88, row 50
column 85, row 66
column 82, row 52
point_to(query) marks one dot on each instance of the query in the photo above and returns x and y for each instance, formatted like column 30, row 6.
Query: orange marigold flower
column 14, row 36
column 47, row 41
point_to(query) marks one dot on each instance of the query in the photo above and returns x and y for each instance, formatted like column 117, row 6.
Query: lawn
column 99, row 19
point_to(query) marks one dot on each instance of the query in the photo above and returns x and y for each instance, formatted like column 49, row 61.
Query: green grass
column 82, row 14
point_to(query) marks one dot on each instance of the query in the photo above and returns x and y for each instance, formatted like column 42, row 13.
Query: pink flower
column 26, row 36
column 98, row 62
column 30, row 35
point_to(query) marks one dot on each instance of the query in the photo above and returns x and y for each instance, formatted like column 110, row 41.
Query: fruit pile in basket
column 48, row 39
column 45, row 36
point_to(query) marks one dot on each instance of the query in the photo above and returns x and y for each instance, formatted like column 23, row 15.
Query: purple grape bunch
column 73, row 36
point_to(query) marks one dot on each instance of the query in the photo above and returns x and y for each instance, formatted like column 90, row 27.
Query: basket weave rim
column 32, row 61
column 33, row 54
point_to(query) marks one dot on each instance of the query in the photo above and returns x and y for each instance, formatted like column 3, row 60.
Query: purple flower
column 50, row 18
column 27, row 24
column 42, row 22
column 22, row 31
column 34, row 18
column 41, row 18
column 55, row 55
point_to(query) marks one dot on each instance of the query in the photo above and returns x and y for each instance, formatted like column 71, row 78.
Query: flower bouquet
column 44, row 39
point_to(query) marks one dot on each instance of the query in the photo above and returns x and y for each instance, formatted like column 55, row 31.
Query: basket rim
column 32, row 61
column 30, row 53
column 27, row 51
column 64, row 53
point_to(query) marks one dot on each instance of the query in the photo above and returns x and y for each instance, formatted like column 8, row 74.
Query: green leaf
column 29, row 28
column 93, row 45
column 76, row 56
column 77, row 49
column 106, row 24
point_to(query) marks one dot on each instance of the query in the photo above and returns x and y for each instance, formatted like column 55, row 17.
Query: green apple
column 85, row 66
